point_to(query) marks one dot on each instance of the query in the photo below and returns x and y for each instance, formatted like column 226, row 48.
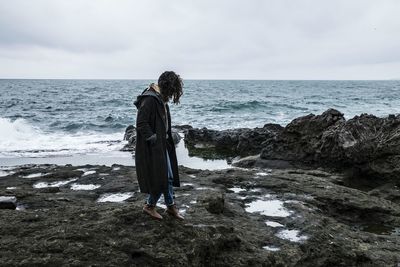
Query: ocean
column 50, row 119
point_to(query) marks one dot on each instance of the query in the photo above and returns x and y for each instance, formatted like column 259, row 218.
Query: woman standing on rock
column 155, row 157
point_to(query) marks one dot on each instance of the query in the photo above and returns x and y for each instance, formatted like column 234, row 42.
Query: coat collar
column 148, row 92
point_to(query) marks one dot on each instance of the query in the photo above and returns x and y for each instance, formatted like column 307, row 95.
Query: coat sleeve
column 143, row 118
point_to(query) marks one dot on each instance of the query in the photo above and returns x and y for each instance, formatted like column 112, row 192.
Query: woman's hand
column 152, row 139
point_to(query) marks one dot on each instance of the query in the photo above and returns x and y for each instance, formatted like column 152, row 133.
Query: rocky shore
column 322, row 191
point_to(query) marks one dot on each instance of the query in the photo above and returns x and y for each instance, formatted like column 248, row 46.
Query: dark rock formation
column 130, row 136
column 300, row 139
column 366, row 145
column 215, row 203
column 241, row 141
column 175, row 136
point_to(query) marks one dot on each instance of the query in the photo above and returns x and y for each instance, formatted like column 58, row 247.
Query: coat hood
column 148, row 92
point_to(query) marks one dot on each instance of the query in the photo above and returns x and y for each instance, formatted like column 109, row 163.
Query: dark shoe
column 151, row 210
column 173, row 211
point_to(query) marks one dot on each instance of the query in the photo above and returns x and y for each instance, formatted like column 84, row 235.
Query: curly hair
column 171, row 86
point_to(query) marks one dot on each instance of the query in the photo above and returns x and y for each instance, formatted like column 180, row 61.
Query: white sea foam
column 20, row 139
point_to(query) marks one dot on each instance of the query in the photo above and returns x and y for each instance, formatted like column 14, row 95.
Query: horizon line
column 197, row 79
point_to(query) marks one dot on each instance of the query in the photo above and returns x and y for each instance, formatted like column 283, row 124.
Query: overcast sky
column 204, row 39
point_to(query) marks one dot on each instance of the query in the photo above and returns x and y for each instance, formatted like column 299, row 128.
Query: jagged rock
column 176, row 137
column 215, row 203
column 8, row 202
column 130, row 136
column 241, row 141
column 300, row 138
column 182, row 128
column 366, row 144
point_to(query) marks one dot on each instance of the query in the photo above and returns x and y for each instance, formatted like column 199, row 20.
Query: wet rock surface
column 234, row 217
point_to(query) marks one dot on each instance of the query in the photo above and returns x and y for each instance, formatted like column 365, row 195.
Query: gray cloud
column 257, row 39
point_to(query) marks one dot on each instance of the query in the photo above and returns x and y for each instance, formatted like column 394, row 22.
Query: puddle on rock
column 268, row 207
column 20, row 207
column 380, row 229
column 84, row 186
column 273, row 224
column 88, row 173
column 182, row 195
column 53, row 184
column 11, row 188
column 8, row 199
column 205, row 188
column 262, row 174
column 359, row 184
column 33, row 175
column 5, row 173
column 291, row 235
column 115, row 197
column 236, row 189
column 271, row 248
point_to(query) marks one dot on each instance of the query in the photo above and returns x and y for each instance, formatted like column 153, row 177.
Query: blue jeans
column 168, row 196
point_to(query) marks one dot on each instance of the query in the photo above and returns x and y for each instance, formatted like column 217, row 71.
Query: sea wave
column 237, row 106
column 18, row 138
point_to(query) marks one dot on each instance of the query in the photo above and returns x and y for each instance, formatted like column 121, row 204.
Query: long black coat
column 150, row 159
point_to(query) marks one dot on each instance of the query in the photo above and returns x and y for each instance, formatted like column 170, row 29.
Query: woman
column 155, row 157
